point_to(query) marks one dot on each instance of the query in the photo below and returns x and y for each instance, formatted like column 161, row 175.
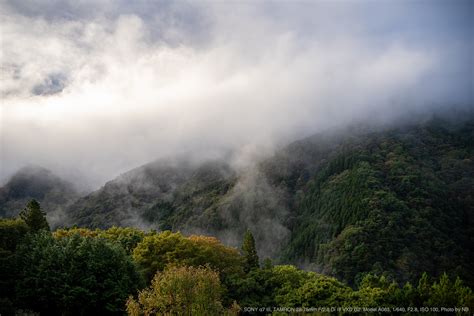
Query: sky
column 91, row 89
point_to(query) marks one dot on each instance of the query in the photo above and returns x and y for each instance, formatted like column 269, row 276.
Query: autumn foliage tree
column 155, row 252
column 180, row 291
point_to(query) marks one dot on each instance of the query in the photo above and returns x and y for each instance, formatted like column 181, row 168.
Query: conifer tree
column 250, row 252
column 34, row 217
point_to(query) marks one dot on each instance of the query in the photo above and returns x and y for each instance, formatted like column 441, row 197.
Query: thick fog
column 90, row 89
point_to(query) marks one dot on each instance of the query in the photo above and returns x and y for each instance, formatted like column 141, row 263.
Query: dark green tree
column 12, row 231
column 423, row 290
column 74, row 275
column 249, row 252
column 34, row 217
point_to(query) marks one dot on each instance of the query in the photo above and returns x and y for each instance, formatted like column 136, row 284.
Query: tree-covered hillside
column 398, row 202
column 38, row 183
column 79, row 271
column 395, row 201
column 163, row 195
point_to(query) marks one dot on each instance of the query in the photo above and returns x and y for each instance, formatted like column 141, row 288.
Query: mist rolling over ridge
column 233, row 158
column 92, row 90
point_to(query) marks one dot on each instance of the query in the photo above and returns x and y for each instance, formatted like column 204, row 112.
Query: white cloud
column 103, row 94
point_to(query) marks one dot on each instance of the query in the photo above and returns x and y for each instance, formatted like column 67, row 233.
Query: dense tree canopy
column 74, row 275
column 156, row 251
column 396, row 203
column 12, row 232
column 127, row 237
column 81, row 271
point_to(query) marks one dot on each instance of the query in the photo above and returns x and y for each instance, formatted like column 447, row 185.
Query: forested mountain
column 396, row 201
column 164, row 193
column 34, row 182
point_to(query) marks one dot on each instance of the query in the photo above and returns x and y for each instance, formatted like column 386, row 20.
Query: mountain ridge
column 331, row 202
column 35, row 182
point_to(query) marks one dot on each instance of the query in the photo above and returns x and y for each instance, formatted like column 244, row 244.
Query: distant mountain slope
column 397, row 201
column 38, row 183
column 166, row 193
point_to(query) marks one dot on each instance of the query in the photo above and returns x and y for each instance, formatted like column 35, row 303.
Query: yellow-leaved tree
column 181, row 291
